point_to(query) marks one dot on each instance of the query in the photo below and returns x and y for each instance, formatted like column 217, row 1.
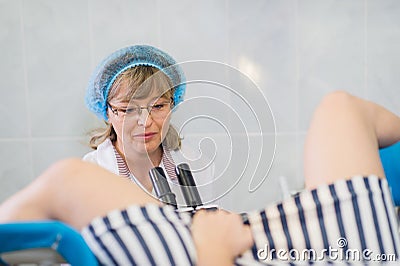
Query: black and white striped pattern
column 148, row 235
column 123, row 169
column 167, row 160
column 169, row 164
column 359, row 211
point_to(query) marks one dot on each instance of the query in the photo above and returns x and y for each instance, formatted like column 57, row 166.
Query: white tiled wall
column 294, row 51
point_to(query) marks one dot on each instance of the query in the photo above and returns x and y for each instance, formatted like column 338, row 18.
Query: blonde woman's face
column 139, row 131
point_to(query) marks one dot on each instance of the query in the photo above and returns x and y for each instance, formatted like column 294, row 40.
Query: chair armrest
column 54, row 235
column 390, row 157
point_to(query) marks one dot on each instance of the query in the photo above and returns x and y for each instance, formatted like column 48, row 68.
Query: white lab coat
column 105, row 157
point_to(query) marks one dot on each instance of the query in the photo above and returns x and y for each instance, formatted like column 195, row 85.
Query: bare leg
column 74, row 192
column 344, row 138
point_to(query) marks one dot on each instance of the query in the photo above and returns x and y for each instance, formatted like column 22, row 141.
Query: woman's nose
column 144, row 118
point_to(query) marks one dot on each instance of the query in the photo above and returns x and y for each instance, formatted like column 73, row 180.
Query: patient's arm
column 344, row 137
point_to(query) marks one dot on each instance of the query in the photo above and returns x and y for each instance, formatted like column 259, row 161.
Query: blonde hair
column 139, row 86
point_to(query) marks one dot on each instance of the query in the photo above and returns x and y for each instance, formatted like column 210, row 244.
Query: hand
column 219, row 237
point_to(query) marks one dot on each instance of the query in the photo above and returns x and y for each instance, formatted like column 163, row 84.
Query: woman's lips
column 145, row 136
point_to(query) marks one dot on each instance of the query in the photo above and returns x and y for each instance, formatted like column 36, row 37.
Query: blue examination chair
column 390, row 157
column 52, row 242
column 43, row 243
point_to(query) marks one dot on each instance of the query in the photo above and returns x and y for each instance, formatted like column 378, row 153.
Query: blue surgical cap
column 112, row 66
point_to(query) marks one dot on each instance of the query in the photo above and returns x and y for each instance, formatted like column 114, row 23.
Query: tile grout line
column 74, row 138
column 365, row 48
column 90, row 36
column 159, row 39
column 26, row 86
column 297, row 58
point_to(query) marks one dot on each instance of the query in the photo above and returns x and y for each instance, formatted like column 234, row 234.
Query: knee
column 338, row 101
column 338, row 98
column 67, row 165
column 61, row 170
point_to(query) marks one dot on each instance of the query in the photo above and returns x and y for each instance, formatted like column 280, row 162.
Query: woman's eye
column 158, row 106
column 129, row 110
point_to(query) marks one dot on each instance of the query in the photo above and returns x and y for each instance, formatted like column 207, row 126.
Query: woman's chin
column 145, row 148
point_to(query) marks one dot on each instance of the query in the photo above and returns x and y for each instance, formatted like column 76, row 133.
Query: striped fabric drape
column 351, row 220
column 147, row 235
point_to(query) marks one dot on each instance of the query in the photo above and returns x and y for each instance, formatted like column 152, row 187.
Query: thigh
column 79, row 191
column 341, row 141
column 74, row 192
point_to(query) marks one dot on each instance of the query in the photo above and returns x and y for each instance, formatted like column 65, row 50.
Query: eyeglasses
column 157, row 110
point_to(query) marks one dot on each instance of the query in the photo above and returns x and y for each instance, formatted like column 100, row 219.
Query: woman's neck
column 140, row 164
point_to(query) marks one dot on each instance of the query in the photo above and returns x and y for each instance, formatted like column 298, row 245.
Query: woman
column 347, row 199
column 134, row 91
